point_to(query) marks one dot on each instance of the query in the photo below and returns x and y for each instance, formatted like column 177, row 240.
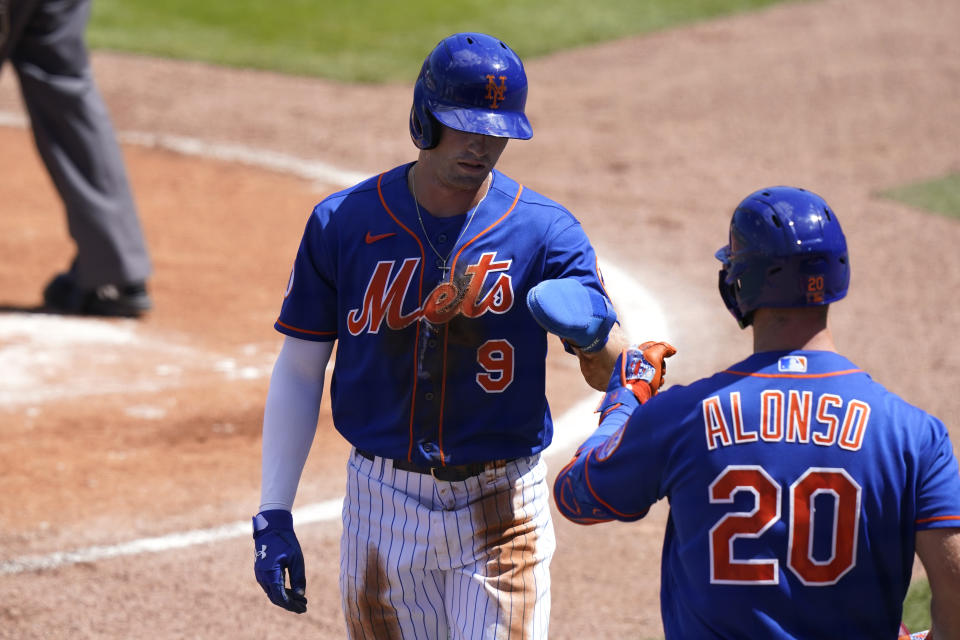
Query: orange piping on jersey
column 590, row 521
column 513, row 204
column 575, row 510
column 568, row 465
column 751, row 374
column 558, row 491
column 936, row 519
column 609, row 410
column 586, row 477
column 446, row 333
column 313, row 333
column 600, row 277
column 416, row 343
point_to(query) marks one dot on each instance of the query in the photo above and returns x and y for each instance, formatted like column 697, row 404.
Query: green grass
column 373, row 40
column 940, row 196
column 916, row 606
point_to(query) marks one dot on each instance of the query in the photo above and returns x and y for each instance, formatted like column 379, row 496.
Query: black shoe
column 63, row 295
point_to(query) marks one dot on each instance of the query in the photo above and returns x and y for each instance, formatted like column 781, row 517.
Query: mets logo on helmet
column 496, row 93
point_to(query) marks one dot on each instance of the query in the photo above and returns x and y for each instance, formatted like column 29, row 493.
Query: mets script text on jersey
column 386, row 292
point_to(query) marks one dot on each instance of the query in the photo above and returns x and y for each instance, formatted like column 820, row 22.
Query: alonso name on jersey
column 786, row 415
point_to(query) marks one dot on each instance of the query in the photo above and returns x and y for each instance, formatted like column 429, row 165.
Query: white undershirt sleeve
column 290, row 418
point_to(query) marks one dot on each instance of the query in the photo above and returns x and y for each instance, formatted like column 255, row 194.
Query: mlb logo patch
column 792, row 364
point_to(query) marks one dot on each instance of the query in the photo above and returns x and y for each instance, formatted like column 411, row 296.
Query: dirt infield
column 116, row 431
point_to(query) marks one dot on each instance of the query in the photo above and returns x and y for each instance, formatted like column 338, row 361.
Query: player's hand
column 597, row 365
column 642, row 369
column 574, row 312
column 277, row 553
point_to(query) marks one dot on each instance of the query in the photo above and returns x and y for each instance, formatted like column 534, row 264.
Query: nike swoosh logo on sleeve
column 370, row 239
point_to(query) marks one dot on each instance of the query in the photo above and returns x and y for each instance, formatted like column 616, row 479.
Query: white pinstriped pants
column 425, row 559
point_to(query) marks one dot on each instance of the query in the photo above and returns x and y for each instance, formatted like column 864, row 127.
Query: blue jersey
column 434, row 365
column 796, row 485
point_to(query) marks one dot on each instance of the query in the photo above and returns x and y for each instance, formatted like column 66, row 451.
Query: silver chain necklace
column 443, row 261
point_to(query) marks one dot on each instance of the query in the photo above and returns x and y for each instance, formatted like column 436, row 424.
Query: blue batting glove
column 277, row 552
column 579, row 315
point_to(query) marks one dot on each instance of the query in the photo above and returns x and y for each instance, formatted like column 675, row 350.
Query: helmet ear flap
column 728, row 292
column 424, row 128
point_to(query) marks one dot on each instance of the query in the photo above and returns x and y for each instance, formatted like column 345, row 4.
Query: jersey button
column 439, row 263
column 428, row 395
column 431, row 343
column 442, row 238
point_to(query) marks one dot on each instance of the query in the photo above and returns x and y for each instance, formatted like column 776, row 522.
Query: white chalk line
column 46, row 357
column 320, row 173
column 640, row 315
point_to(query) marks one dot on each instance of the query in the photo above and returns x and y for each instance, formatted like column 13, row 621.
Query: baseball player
column 44, row 41
column 420, row 275
column 799, row 488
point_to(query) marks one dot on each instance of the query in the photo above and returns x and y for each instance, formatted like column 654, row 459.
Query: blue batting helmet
column 470, row 82
column 786, row 250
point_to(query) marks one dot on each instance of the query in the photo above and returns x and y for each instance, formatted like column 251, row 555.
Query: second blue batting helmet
column 786, row 250
column 470, row 82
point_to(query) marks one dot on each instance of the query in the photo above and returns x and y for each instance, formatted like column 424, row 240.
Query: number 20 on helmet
column 786, row 249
